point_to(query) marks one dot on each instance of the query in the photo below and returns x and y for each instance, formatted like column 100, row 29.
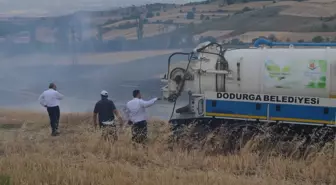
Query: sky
column 56, row 7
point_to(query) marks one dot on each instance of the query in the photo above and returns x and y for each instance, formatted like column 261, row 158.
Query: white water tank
column 282, row 71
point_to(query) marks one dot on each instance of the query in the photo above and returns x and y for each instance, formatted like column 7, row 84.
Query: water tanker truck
column 283, row 86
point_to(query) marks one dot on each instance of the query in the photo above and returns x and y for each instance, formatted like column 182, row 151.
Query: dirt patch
column 8, row 126
column 308, row 9
column 214, row 33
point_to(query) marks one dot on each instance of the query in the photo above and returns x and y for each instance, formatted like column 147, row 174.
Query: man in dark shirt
column 106, row 111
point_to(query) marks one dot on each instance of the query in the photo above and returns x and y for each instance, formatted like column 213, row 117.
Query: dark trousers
column 139, row 132
column 54, row 116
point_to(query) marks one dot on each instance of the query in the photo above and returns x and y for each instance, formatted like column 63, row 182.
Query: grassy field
column 28, row 155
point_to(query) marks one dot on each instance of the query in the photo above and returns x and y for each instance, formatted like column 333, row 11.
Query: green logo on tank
column 317, row 67
column 276, row 72
column 292, row 75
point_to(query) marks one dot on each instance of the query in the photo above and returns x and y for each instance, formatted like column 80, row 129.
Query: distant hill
column 223, row 20
column 241, row 16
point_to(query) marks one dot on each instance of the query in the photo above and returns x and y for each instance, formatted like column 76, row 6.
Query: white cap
column 104, row 93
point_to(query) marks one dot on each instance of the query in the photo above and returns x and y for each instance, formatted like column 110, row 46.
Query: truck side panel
column 283, row 112
column 295, row 109
column 236, row 109
column 302, row 113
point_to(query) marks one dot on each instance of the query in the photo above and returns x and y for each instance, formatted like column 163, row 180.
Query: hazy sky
column 38, row 7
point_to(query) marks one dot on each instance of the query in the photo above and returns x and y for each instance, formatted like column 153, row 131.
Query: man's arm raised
column 59, row 95
column 148, row 103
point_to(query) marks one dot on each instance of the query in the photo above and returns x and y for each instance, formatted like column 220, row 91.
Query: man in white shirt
column 50, row 99
column 136, row 112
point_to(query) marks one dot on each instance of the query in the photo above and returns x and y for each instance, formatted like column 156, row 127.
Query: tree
column 149, row 15
column 246, row 9
column 62, row 33
column 208, row 38
column 170, row 21
column 190, row 15
column 272, row 38
column 140, row 28
column 235, row 41
column 318, row 39
column 229, row 2
column 325, row 26
column 334, row 40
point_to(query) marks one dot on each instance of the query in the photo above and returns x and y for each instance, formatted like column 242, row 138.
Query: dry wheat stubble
column 79, row 156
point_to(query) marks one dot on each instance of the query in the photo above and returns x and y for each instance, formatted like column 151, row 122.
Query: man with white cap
column 106, row 111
